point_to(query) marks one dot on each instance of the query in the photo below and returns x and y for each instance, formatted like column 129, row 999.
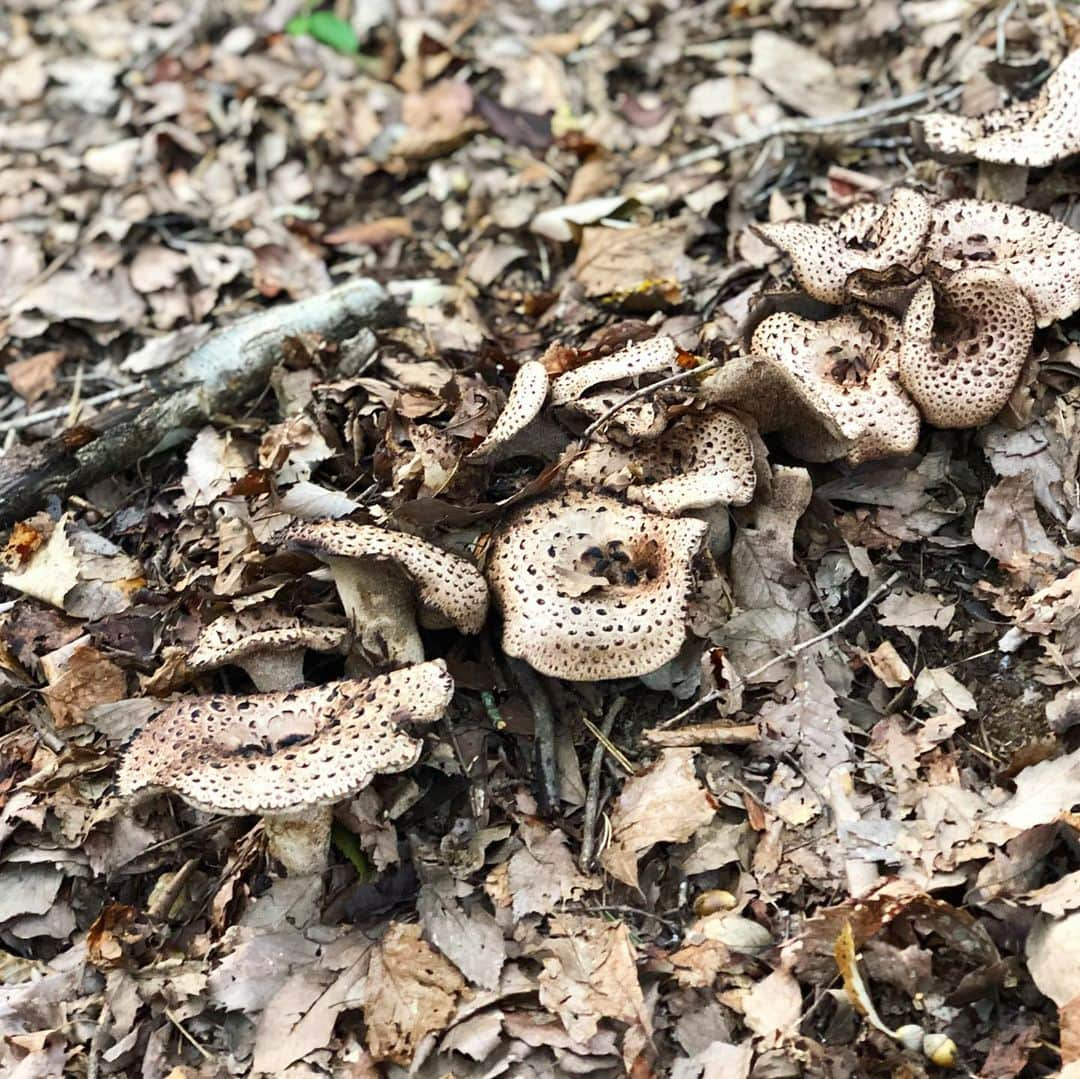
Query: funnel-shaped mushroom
column 523, row 405
column 382, row 577
column 867, row 237
column 777, row 399
column 287, row 757
column 1035, row 133
column 591, row 588
column 701, row 460
column 1041, row 255
column 851, row 363
column 267, row 643
column 964, row 348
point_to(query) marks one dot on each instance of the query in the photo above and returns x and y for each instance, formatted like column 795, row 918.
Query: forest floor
column 547, row 180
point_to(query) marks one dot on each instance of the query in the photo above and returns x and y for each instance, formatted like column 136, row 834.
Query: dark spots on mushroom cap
column 285, row 752
column 564, row 624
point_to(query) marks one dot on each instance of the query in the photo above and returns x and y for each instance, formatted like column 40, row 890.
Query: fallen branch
column 789, row 653
column 224, row 371
column 704, row 734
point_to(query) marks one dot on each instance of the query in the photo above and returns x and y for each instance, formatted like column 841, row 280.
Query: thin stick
column 644, row 391
column 180, row 1027
column 97, row 1042
column 789, row 653
column 592, row 799
column 163, row 904
column 546, row 755
column 70, row 408
column 871, row 114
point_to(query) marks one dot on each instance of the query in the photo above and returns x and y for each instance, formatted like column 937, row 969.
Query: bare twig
column 34, row 418
column 789, row 653
column 546, row 756
column 644, row 391
column 877, row 113
column 164, row 901
column 592, row 799
column 704, row 734
column 97, row 1042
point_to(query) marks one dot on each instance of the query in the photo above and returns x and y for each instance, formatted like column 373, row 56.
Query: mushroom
column 701, row 460
column 867, row 237
column 964, row 346
column 1041, row 255
column 591, row 588
column 851, row 364
column 643, row 358
column 778, row 399
column 381, row 577
column 268, row 644
column 1033, row 133
column 287, row 756
column 523, row 405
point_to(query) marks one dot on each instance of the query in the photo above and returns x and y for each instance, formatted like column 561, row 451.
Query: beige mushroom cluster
column 287, row 753
column 593, row 582
column 972, row 280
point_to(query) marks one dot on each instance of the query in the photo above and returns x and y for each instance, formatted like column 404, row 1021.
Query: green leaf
column 300, row 25
column 349, row 846
column 326, row 27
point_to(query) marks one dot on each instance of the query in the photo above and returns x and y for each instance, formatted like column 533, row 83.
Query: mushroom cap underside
column 447, row 584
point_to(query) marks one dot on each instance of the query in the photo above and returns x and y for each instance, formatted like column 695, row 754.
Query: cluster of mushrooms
column 932, row 311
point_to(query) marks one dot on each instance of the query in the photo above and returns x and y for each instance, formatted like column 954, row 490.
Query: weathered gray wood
column 225, row 370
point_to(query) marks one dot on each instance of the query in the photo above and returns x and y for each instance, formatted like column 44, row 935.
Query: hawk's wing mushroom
column 1034, row 133
column 1041, row 255
column 701, row 460
column 963, row 351
column 591, row 588
column 288, row 757
column 268, row 644
column 527, row 396
column 658, row 354
column 852, row 364
column 824, row 256
column 383, row 576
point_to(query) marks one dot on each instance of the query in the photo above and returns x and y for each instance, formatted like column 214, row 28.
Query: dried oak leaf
column 410, row 991
column 666, row 804
column 590, row 974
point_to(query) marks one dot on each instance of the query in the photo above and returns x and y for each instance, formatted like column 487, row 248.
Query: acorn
column 940, row 1049
column 910, row 1036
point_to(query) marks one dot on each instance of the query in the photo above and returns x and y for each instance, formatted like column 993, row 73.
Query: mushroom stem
column 379, row 603
column 300, row 842
column 274, row 671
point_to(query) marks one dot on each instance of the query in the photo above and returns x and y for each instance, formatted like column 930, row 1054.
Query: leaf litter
column 862, row 851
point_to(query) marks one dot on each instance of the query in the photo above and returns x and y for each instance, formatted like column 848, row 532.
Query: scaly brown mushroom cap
column 658, row 354
column 523, row 405
column 284, row 753
column 446, row 584
column 962, row 352
column 1041, row 255
column 852, row 363
column 867, row 237
column 591, row 588
column 702, row 460
column 636, row 420
column 1035, row 133
column 235, row 637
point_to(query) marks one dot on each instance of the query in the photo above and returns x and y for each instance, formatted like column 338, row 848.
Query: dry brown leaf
column 35, row 376
column 774, row 1005
column 667, row 804
column 1053, row 956
column 590, row 974
column 80, row 678
column 542, row 876
column 889, row 665
column 1043, row 792
column 377, row 233
column 1009, row 530
column 410, row 991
